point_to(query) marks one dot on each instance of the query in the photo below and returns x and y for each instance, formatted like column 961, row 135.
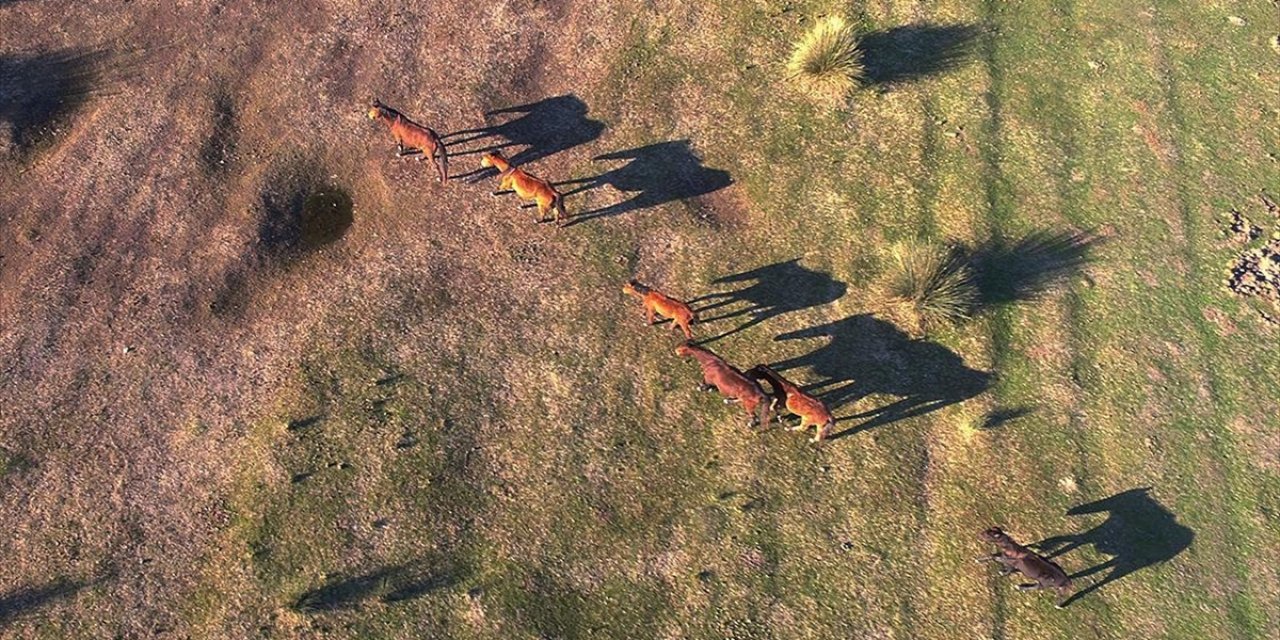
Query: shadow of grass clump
column 388, row 584
column 1007, row 271
column 17, row 603
column 216, row 152
column 301, row 213
column 910, row 52
column 38, row 92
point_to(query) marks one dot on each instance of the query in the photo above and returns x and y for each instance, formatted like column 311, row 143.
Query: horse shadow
column 1008, row 271
column 37, row 91
column 913, row 51
column 1137, row 533
column 774, row 289
column 865, row 355
column 542, row 128
column 656, row 174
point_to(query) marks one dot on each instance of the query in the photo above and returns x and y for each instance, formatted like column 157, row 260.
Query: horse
column 526, row 186
column 730, row 382
column 663, row 306
column 421, row 140
column 1014, row 557
column 811, row 410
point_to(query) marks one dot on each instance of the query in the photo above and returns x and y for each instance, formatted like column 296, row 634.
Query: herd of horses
column 760, row 390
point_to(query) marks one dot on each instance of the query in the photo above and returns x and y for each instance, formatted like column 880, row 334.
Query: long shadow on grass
column 656, row 174
column 38, row 91
column 27, row 599
column 1137, row 533
column 543, row 128
column 913, row 51
column 1009, row 270
column 865, row 355
column 387, row 584
column 774, row 289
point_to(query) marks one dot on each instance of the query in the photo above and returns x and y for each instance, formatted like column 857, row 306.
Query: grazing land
column 261, row 378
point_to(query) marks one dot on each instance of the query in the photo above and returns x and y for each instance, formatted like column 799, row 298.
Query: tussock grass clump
column 932, row 284
column 828, row 61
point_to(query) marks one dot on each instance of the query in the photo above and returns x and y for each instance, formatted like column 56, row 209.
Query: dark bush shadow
column 543, row 128
column 1007, row 271
column 866, row 355
column 656, row 174
column 775, row 289
column 38, row 91
column 1137, row 533
column 13, row 605
column 913, row 51
column 301, row 213
column 388, row 584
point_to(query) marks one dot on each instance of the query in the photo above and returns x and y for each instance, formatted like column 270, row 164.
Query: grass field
column 260, row 378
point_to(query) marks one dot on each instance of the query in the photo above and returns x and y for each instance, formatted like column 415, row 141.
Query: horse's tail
column 558, row 203
column 444, row 161
column 762, row 413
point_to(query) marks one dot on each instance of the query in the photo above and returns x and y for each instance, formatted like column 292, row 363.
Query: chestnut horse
column 420, row 139
column 1014, row 557
column 811, row 410
column 730, row 382
column 661, row 305
column 526, row 186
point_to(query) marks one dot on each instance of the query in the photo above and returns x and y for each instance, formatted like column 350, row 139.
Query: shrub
column 931, row 283
column 828, row 62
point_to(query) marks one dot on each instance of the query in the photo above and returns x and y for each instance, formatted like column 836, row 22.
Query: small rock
column 1236, row 20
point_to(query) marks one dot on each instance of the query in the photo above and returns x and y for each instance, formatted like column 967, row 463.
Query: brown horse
column 526, row 186
column 661, row 305
column 811, row 410
column 1014, row 557
column 730, row 382
column 419, row 139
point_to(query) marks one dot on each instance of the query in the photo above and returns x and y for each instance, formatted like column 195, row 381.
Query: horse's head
column 376, row 109
column 492, row 159
column 996, row 536
column 685, row 350
column 633, row 287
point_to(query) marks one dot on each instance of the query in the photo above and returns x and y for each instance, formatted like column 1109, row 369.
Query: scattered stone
column 1275, row 44
column 1271, row 206
column 1241, row 229
column 1256, row 273
column 1236, row 20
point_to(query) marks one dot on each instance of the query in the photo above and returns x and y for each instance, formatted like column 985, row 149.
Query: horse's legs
column 1032, row 586
column 990, row 557
column 648, row 314
column 706, row 387
column 1064, row 593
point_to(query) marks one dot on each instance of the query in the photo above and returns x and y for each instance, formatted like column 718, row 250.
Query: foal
column 1014, row 557
column 420, row 139
column 663, row 306
column 526, row 186
column 729, row 381
column 811, row 410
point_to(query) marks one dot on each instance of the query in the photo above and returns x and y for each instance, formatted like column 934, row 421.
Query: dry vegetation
column 260, row 378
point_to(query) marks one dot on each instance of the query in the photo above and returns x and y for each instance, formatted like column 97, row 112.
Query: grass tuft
column 828, row 61
column 933, row 284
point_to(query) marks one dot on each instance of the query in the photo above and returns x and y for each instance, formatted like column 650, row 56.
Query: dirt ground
column 155, row 281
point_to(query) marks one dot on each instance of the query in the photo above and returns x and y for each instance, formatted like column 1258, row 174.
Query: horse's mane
column 392, row 113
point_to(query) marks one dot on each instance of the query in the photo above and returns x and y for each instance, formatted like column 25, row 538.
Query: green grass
column 571, row 483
